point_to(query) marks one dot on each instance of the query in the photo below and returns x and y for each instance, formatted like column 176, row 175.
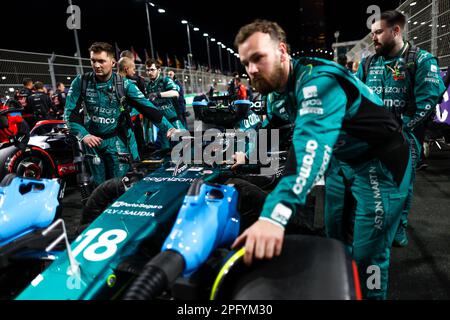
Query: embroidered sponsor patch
column 281, row 214
column 310, row 92
column 304, row 111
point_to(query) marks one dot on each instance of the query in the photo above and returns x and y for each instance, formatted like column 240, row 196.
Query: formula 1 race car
column 164, row 233
column 121, row 246
column 53, row 137
column 45, row 152
column 221, row 110
column 28, row 207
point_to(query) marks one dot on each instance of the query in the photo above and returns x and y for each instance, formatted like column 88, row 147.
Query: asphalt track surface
column 420, row 271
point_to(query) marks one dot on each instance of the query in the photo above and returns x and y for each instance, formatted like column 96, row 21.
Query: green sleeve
column 320, row 111
column 428, row 88
column 360, row 73
column 72, row 115
column 137, row 100
column 169, row 84
column 265, row 123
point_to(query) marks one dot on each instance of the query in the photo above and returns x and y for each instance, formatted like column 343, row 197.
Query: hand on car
column 263, row 240
column 171, row 132
column 239, row 159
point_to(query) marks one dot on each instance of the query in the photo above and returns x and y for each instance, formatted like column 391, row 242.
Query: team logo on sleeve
column 281, row 214
column 310, row 92
column 433, row 68
column 312, row 104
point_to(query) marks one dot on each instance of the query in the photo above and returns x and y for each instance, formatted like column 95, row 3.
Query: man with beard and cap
column 408, row 81
column 336, row 117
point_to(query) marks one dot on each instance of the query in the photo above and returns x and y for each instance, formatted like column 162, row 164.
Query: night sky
column 40, row 26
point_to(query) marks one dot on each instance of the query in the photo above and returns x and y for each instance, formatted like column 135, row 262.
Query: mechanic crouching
column 336, row 118
column 96, row 113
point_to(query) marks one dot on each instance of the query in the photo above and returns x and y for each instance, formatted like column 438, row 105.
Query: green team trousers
column 416, row 150
column 363, row 208
column 108, row 152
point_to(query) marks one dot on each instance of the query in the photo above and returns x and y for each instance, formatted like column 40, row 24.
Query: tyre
column 32, row 162
column 103, row 196
column 309, row 268
column 5, row 155
column 7, row 179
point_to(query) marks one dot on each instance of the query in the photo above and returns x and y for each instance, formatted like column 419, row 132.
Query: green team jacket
column 165, row 105
column 394, row 87
column 277, row 117
column 103, row 108
column 334, row 114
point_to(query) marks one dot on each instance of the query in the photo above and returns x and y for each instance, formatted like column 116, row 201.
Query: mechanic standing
column 137, row 118
column 231, row 86
column 59, row 99
column 22, row 96
column 181, row 100
column 408, row 81
column 135, row 78
column 241, row 90
column 99, row 124
column 335, row 116
column 127, row 69
column 40, row 104
column 162, row 92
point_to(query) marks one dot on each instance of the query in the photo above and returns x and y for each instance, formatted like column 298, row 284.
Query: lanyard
column 396, row 74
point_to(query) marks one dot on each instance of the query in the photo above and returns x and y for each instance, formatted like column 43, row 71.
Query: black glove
column 153, row 96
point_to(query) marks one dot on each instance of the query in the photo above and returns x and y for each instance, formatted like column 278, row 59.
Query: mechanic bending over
column 99, row 124
column 336, row 117
column 408, row 81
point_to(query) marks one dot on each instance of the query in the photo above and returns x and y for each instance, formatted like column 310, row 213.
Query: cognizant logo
column 305, row 170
